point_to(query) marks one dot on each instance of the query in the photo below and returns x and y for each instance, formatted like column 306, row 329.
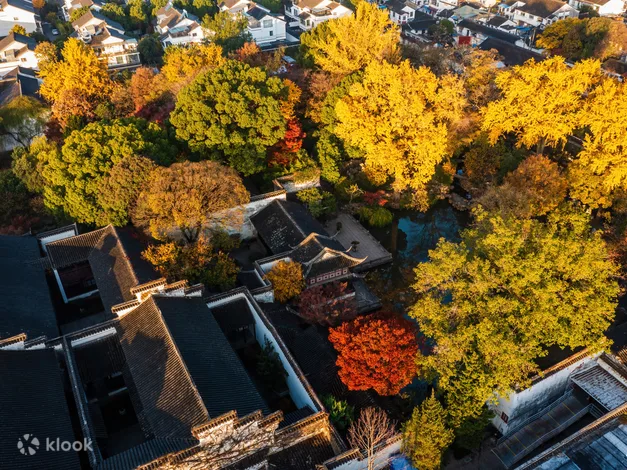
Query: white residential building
column 264, row 26
column 402, row 12
column 20, row 13
column 307, row 14
column 537, row 12
column 70, row 5
column 177, row 27
column 108, row 40
column 602, row 7
column 17, row 50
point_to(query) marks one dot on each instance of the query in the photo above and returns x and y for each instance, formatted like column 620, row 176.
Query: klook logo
column 28, row 444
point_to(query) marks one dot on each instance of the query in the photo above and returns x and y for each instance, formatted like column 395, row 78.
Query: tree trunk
column 541, row 145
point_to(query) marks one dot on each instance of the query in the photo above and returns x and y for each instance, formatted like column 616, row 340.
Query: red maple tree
column 285, row 151
column 376, row 351
column 328, row 304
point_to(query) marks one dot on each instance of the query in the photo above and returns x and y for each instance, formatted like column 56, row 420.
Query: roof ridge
column 178, row 353
column 289, row 216
column 126, row 257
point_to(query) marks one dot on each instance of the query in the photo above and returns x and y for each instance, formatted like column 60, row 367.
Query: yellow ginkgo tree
column 400, row 118
column 541, row 101
column 601, row 167
column 348, row 44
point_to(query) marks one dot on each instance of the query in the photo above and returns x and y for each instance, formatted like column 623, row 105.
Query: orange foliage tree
column 376, row 352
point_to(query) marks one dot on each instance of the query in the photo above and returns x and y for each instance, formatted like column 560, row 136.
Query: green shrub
column 375, row 216
column 340, row 413
column 319, row 203
column 306, row 174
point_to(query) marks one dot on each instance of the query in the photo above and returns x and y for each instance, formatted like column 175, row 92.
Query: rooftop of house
column 541, row 8
column 217, row 372
column 282, row 225
column 512, row 55
column 32, row 402
column 114, row 256
column 94, row 17
column 496, row 21
column 257, row 12
column 488, row 31
column 25, row 303
column 17, row 82
column 398, row 6
column 27, row 41
column 21, row 4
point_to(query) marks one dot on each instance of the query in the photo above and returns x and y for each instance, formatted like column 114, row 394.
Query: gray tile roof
column 114, row 255
column 512, row 55
column 541, row 8
column 217, row 372
column 32, row 401
column 171, row 405
column 488, row 31
column 309, row 248
column 25, row 303
column 282, row 225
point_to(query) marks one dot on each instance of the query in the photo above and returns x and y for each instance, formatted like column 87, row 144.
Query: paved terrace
column 368, row 246
column 524, row 441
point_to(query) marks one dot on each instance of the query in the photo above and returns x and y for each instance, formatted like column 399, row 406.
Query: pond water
column 409, row 238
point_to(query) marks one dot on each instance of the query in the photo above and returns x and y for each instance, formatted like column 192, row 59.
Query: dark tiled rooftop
column 171, row 404
column 25, row 303
column 512, row 55
column 32, row 401
column 282, row 225
column 217, row 372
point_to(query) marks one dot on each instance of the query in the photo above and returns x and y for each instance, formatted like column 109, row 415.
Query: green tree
column 343, row 46
column 228, row 31
column 14, row 198
column 340, row 412
column 150, row 50
column 319, row 203
column 186, row 196
column 470, row 433
column 511, row 288
column 138, row 14
column 234, row 111
column 29, row 162
column 76, row 176
column 426, row 436
column 22, row 119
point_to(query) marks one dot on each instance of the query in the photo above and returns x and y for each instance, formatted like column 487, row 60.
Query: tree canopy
column 376, row 352
column 183, row 64
column 399, row 117
column 234, row 112
column 345, row 45
column 577, row 39
column 509, row 290
column 227, row 31
column 75, row 176
column 77, row 83
column 426, row 435
column 540, row 101
column 287, row 280
column 601, row 166
column 185, row 196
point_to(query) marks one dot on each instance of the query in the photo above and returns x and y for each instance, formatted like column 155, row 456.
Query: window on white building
column 267, row 24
